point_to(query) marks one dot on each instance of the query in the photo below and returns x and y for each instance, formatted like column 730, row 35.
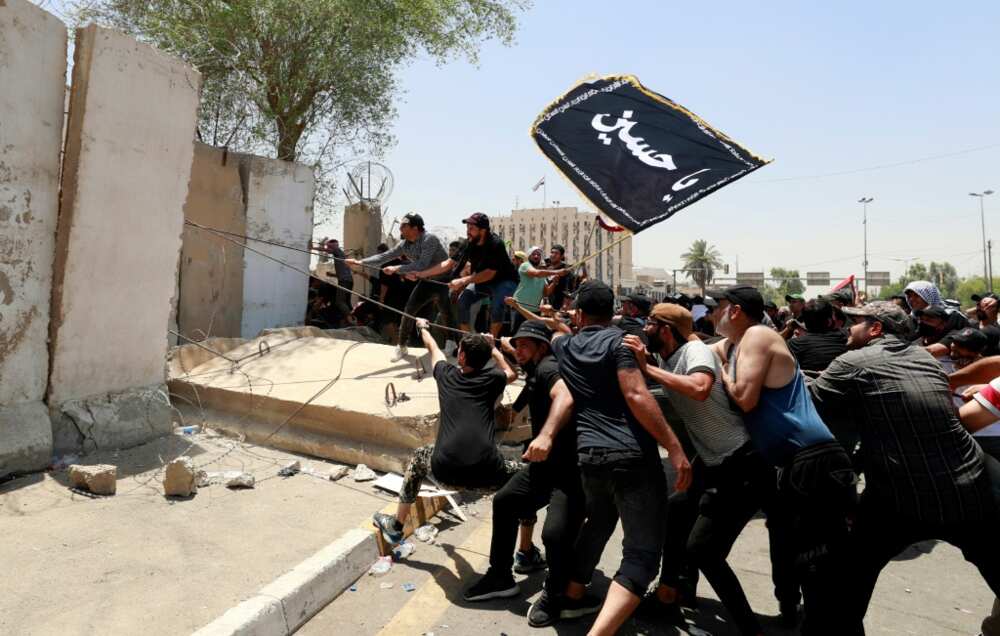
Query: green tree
column 941, row 274
column 305, row 80
column 968, row 287
column 790, row 283
column 701, row 260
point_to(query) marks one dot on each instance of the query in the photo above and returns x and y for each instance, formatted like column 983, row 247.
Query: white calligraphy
column 636, row 145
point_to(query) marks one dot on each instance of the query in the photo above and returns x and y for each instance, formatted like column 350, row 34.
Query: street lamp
column 864, row 201
column 982, row 219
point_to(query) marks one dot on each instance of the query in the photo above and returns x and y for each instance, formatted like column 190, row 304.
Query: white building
column 577, row 231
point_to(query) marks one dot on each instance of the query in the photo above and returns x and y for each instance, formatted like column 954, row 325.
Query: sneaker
column 530, row 561
column 391, row 529
column 492, row 585
column 653, row 608
column 544, row 611
column 399, row 353
column 577, row 607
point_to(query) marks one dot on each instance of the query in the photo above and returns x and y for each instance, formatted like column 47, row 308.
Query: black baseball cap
column 978, row 297
column 971, row 339
column 641, row 301
column 934, row 311
column 770, row 305
column 748, row 299
column 594, row 298
column 413, row 219
column 796, row 296
column 534, row 329
column 478, row 219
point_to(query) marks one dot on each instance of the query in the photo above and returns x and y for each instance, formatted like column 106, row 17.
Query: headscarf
column 926, row 290
column 535, row 248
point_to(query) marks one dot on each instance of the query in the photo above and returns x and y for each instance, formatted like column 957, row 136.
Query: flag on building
column 540, row 183
column 636, row 155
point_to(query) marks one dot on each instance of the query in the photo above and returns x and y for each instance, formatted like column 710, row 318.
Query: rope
column 325, row 281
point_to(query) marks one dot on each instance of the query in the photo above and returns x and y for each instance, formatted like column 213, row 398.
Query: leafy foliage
column 943, row 275
column 701, row 260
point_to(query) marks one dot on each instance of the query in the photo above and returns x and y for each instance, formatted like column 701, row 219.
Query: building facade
column 577, row 231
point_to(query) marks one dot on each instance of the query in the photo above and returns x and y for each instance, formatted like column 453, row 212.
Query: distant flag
column 608, row 227
column 540, row 183
column 847, row 282
column 636, row 155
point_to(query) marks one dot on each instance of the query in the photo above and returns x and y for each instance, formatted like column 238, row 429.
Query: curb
column 284, row 605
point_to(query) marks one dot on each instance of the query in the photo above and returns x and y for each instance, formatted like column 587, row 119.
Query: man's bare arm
column 975, row 416
column 696, row 386
column 559, row 414
column 442, row 267
column 424, row 327
column 645, row 409
column 979, row 372
column 751, row 370
column 501, row 361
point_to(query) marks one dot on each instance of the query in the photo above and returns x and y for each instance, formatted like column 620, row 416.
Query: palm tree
column 701, row 261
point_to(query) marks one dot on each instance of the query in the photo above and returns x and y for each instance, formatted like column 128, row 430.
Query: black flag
column 636, row 155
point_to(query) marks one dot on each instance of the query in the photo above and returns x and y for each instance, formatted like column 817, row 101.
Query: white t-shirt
column 716, row 428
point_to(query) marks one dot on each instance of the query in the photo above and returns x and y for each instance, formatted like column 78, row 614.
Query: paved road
column 928, row 591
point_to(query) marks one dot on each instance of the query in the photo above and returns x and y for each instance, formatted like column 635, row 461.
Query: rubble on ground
column 100, row 479
column 363, row 473
column 180, row 478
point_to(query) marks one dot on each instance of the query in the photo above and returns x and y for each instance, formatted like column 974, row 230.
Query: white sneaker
column 399, row 353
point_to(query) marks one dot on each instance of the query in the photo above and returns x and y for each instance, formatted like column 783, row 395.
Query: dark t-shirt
column 815, row 351
column 538, row 389
column 992, row 340
column 467, row 429
column 564, row 285
column 589, row 362
column 490, row 255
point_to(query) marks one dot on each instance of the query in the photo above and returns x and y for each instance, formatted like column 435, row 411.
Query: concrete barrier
column 129, row 146
column 32, row 98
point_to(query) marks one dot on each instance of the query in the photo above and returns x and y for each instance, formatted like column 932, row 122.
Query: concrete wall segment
column 32, row 94
column 279, row 207
column 129, row 148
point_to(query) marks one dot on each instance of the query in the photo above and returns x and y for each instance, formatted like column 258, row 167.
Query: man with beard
column 738, row 482
column 924, row 474
column 531, row 288
column 986, row 315
column 557, row 290
column 551, row 479
column 817, row 485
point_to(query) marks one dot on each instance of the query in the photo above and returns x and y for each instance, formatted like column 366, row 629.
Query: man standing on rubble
column 421, row 250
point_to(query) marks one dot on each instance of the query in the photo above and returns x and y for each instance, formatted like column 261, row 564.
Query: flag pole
column 545, row 196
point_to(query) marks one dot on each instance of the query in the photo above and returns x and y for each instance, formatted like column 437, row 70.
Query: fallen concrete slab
column 363, row 408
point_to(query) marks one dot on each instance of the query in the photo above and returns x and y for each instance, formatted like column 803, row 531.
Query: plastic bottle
column 426, row 533
column 380, row 567
column 403, row 550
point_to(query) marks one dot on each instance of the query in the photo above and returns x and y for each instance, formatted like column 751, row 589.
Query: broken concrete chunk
column 363, row 473
column 99, row 479
column 180, row 479
column 238, row 479
column 338, row 472
column 291, row 468
column 201, row 479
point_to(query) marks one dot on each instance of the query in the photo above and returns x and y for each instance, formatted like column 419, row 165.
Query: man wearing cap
column 618, row 427
column 421, row 250
column 492, row 273
column 738, row 482
column 986, row 314
column 774, row 315
column 550, row 479
column 531, row 288
column 817, row 484
column 795, row 304
column 822, row 342
column 924, row 474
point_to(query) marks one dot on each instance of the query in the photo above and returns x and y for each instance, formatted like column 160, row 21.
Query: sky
column 819, row 87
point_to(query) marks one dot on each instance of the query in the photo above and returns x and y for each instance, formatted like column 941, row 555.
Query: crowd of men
column 757, row 409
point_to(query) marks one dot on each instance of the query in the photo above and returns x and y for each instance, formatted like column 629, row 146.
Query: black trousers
column 880, row 534
column 731, row 494
column 633, row 488
column 531, row 489
column 342, row 299
column 817, row 491
column 423, row 294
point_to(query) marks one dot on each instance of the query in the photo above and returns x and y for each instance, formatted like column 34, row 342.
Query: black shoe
column 391, row 529
column 530, row 561
column 544, row 611
column 575, row 608
column 789, row 614
column 492, row 585
column 653, row 608
column 687, row 597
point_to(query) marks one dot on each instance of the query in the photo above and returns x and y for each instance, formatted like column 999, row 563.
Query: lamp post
column 982, row 220
column 864, row 201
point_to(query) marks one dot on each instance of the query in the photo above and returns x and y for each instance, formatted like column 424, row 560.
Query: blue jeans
column 497, row 293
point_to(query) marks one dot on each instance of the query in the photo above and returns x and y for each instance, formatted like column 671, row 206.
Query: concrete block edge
column 288, row 602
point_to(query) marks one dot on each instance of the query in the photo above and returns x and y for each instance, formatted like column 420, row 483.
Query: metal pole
column 982, row 220
column 989, row 253
column 865, row 223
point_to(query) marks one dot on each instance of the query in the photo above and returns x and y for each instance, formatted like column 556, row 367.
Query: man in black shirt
column 559, row 288
column 986, row 313
column 464, row 455
column 618, row 426
column 551, row 478
column 821, row 343
column 492, row 273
